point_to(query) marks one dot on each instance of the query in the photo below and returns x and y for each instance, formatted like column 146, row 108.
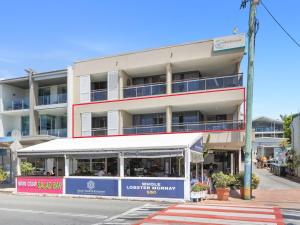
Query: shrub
column 222, row 180
column 199, row 187
column 26, row 168
column 3, row 175
column 240, row 180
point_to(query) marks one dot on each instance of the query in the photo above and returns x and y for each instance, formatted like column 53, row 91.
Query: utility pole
column 248, row 152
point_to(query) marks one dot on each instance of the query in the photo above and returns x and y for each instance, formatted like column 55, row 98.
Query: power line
column 285, row 31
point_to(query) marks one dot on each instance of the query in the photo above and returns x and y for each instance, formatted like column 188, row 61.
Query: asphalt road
column 33, row 210
column 270, row 181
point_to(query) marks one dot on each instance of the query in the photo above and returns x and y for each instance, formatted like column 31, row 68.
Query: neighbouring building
column 268, row 136
column 33, row 109
column 139, row 120
column 295, row 136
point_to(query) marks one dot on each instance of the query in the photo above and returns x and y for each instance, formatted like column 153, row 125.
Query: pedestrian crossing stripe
column 209, row 214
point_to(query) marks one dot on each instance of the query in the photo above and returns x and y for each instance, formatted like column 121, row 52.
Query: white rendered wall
column 86, row 124
column 70, row 100
column 85, row 88
column 113, row 121
column 112, row 85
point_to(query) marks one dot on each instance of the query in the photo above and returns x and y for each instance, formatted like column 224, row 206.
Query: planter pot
column 198, row 195
column 223, row 193
column 242, row 192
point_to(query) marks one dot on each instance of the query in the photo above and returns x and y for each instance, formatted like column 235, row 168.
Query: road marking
column 227, row 214
column 53, row 213
column 215, row 214
column 107, row 220
column 207, row 220
column 226, row 207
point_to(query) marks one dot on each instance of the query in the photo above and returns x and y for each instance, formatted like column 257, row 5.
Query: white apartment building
column 295, row 136
column 119, row 106
column 33, row 109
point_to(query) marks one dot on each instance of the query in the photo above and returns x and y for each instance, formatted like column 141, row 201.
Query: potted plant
column 26, row 168
column 3, row 176
column 240, row 182
column 222, row 183
column 199, row 191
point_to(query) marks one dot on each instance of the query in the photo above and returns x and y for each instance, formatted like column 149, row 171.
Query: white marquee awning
column 113, row 144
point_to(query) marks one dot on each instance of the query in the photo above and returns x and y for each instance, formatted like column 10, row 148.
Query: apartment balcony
column 267, row 129
column 52, row 99
column 145, row 129
column 207, row 83
column 24, row 133
column 17, row 104
column 208, row 126
column 144, row 90
column 101, row 131
column 60, row 132
column 98, row 95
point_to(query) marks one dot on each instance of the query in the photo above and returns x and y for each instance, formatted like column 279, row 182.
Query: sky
column 52, row 34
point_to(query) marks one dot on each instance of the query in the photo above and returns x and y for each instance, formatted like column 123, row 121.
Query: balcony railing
column 99, row 131
column 208, row 126
column 208, row 83
column 267, row 129
column 145, row 90
column 145, row 129
column 98, row 95
column 61, row 132
column 52, row 99
column 18, row 104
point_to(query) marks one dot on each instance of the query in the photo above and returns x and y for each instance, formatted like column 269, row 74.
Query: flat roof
column 115, row 143
column 149, row 49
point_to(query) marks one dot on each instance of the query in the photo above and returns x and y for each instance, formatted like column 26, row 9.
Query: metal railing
column 208, row 126
column 144, row 90
column 145, row 129
column 99, row 131
column 60, row 132
column 52, row 99
column 207, row 83
column 18, row 104
column 98, row 95
column 267, row 129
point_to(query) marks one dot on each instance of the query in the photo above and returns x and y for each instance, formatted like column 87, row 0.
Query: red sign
column 50, row 185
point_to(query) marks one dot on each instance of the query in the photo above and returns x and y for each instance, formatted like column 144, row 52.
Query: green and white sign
column 229, row 42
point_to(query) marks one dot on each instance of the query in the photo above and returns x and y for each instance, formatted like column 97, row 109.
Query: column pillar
column 121, row 173
column 18, row 166
column 231, row 164
column 187, row 168
column 169, row 78
column 33, row 96
column 197, row 171
column 70, row 101
column 169, row 119
column 67, row 166
column 240, row 160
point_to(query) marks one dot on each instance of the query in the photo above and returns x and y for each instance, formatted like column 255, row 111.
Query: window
column 99, row 122
column 99, row 85
column 25, row 125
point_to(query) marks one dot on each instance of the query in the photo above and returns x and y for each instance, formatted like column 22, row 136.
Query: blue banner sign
column 153, row 188
column 85, row 186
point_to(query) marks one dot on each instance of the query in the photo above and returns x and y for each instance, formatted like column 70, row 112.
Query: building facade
column 192, row 92
column 295, row 136
column 183, row 88
column 33, row 109
column 268, row 136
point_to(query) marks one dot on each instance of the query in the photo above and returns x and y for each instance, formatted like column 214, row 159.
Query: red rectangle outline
column 161, row 96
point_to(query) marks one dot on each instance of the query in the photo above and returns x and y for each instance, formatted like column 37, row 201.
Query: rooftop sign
column 229, row 42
